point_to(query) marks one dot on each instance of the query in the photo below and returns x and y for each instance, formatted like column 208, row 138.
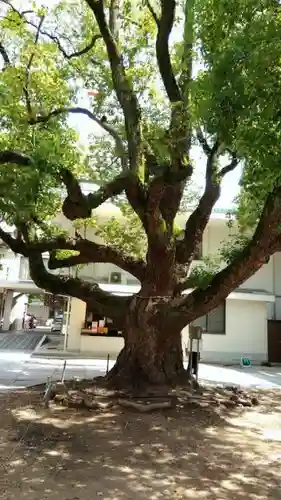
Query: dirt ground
column 118, row 454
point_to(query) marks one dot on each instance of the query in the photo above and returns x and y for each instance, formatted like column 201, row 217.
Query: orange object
column 92, row 93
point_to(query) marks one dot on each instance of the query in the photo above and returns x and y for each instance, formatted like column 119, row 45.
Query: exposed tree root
column 144, row 407
column 96, row 398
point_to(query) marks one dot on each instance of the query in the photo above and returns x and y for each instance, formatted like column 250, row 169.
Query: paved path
column 18, row 370
column 255, row 376
column 20, row 341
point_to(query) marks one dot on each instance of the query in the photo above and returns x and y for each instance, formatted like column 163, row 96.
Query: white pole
column 67, row 323
column 190, row 357
column 197, row 360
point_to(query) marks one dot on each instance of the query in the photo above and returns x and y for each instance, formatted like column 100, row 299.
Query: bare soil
column 196, row 451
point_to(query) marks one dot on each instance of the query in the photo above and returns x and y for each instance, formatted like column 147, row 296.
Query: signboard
column 195, row 332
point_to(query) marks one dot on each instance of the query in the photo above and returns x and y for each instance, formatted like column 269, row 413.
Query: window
column 24, row 269
column 97, row 326
column 214, row 321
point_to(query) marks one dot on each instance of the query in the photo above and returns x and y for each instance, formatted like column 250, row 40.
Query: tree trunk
column 152, row 355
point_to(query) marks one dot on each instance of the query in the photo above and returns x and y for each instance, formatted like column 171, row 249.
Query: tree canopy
column 165, row 75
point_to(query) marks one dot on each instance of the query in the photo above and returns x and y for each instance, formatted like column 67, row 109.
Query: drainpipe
column 274, row 285
column 67, row 323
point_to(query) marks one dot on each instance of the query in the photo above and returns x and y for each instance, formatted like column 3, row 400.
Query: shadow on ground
column 208, row 453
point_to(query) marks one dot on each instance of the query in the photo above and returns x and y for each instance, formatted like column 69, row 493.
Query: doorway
column 274, row 341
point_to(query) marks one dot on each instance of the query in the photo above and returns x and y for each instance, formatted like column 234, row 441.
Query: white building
column 246, row 324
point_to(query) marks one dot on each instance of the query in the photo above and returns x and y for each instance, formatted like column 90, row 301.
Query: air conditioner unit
column 115, row 277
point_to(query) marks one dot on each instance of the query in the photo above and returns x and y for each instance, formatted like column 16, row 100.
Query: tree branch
column 16, row 245
column 133, row 187
column 20, row 13
column 165, row 25
column 179, row 130
column 113, row 17
column 196, row 225
column 123, row 88
column 103, row 124
column 28, row 68
column 163, row 192
column 103, row 302
column 77, row 205
column 263, row 244
column 180, row 123
column 210, row 170
column 91, row 252
column 198, row 220
column 230, row 167
column 184, row 285
column 76, row 53
column 54, row 38
column 111, row 189
column 16, row 158
column 187, row 54
column 152, row 12
column 5, row 56
column 203, row 141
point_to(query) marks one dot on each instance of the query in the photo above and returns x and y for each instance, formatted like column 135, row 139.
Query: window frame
column 222, row 332
column 206, row 317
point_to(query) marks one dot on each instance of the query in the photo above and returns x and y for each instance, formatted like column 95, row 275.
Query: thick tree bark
column 152, row 355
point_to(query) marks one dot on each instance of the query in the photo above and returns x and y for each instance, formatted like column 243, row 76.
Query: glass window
column 214, row 321
column 24, row 269
column 202, row 321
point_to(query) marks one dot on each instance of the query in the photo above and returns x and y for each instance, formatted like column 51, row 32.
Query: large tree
column 168, row 74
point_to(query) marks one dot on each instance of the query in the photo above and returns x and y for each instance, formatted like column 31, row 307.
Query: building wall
column 10, row 265
column 262, row 280
column 18, row 310
column 245, row 334
column 101, row 347
column 76, row 323
column 217, row 232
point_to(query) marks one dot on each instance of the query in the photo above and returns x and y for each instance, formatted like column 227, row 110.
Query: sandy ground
column 195, row 453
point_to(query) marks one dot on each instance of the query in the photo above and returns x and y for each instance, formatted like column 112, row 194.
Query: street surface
column 19, row 370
